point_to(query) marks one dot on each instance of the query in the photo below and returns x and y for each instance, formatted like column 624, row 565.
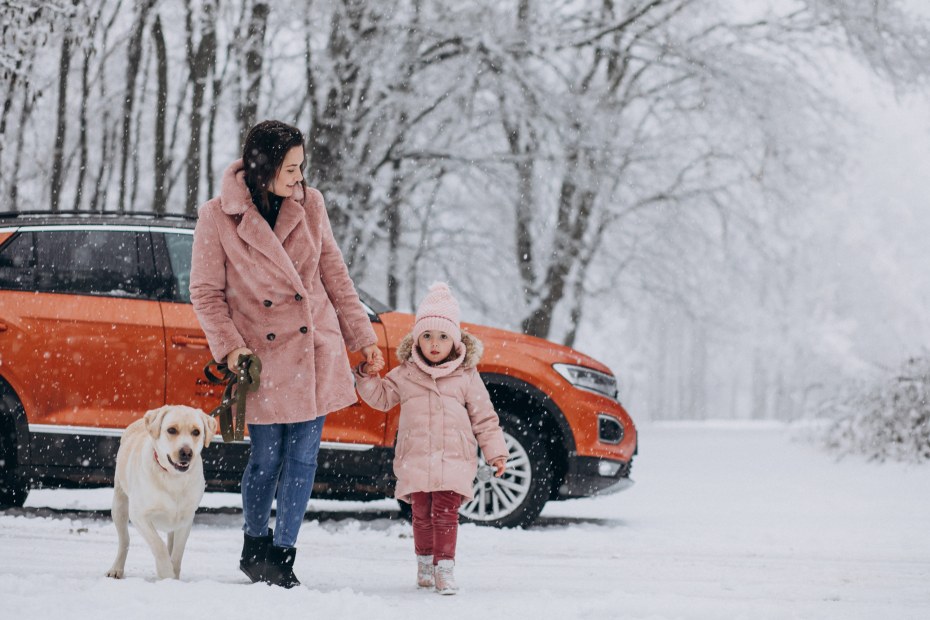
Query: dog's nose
column 185, row 454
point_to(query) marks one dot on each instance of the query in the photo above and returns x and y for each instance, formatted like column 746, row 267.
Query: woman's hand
column 374, row 361
column 233, row 357
column 500, row 464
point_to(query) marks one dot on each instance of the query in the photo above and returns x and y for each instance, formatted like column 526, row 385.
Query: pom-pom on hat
column 438, row 311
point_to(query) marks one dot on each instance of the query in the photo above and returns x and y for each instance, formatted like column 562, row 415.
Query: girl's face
column 435, row 345
column 289, row 174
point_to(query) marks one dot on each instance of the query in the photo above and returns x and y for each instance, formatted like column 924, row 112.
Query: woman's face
column 289, row 174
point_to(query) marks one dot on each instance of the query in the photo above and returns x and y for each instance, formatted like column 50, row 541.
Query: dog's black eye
column 172, row 431
column 195, row 432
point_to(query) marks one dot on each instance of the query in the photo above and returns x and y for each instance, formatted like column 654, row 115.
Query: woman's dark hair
column 263, row 153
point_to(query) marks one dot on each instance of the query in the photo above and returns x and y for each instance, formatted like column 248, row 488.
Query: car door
column 187, row 351
column 83, row 338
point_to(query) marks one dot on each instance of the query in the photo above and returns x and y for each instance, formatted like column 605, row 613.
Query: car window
column 17, row 263
column 180, row 248
column 87, row 262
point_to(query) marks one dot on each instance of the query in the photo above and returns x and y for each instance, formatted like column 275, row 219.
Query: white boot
column 445, row 578
column 425, row 571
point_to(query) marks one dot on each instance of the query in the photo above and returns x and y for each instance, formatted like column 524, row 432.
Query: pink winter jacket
column 285, row 294
column 442, row 421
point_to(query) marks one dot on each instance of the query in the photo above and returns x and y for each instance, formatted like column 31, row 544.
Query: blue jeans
column 282, row 463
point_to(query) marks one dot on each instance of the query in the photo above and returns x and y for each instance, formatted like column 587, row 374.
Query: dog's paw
column 115, row 573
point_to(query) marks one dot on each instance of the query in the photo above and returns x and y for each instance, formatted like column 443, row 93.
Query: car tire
column 516, row 498
column 13, row 489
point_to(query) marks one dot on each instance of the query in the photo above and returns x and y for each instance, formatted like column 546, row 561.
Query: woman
column 267, row 278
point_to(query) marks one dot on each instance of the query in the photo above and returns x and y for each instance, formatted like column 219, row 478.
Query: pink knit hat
column 439, row 311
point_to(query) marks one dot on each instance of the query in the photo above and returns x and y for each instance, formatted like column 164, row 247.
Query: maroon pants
column 435, row 523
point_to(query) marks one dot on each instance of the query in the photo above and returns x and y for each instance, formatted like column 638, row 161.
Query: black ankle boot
column 254, row 550
column 279, row 567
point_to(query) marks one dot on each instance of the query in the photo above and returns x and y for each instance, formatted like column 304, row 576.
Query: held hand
column 374, row 361
column 233, row 357
column 500, row 464
column 373, row 368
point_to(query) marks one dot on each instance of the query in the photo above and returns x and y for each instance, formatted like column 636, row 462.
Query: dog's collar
column 155, row 454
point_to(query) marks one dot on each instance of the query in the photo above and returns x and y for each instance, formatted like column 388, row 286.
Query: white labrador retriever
column 159, row 483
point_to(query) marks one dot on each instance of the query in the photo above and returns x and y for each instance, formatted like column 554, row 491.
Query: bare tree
column 133, row 64
column 254, row 47
column 160, row 164
column 201, row 60
column 64, row 68
column 88, row 49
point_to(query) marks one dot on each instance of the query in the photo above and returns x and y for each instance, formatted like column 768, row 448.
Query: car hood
column 398, row 324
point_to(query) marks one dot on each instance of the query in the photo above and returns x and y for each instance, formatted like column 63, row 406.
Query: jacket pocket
column 469, row 447
column 403, row 446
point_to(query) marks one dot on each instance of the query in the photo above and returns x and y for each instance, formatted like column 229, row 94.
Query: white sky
column 887, row 278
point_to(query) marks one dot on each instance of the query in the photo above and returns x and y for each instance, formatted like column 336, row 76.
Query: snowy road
column 724, row 522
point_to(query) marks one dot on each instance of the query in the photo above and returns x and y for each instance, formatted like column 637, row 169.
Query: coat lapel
column 254, row 231
column 289, row 217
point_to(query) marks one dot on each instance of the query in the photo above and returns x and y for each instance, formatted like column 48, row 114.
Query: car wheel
column 516, row 498
column 13, row 489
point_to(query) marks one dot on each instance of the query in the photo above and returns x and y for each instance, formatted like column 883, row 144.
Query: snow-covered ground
column 724, row 522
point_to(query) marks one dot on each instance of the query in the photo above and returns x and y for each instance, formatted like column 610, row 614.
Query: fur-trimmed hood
column 474, row 348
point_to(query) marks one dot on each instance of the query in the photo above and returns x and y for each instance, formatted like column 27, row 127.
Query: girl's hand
column 233, row 357
column 372, row 368
column 500, row 464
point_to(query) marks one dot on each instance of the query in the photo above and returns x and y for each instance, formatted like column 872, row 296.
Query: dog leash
column 238, row 384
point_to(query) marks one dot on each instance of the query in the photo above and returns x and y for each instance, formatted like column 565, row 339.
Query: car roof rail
column 146, row 214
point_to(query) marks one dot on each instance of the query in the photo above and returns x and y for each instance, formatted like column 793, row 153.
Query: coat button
column 303, row 330
column 298, row 297
column 270, row 336
column 267, row 303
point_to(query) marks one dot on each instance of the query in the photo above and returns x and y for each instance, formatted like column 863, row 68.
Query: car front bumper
column 587, row 476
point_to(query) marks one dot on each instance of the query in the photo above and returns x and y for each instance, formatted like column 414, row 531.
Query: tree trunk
column 64, row 67
column 108, row 132
column 393, row 221
column 88, row 52
column 393, row 211
column 134, row 60
column 575, row 207
column 160, row 162
column 698, row 370
column 201, row 62
column 25, row 113
column 254, row 58
column 82, row 130
column 7, row 106
column 660, row 371
column 523, row 146
column 137, row 131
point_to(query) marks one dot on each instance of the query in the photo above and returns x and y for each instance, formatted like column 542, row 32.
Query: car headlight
column 588, row 379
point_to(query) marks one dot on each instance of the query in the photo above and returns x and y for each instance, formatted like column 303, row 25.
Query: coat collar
column 235, row 196
column 235, row 199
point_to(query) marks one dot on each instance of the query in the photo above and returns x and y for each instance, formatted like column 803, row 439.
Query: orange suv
column 96, row 327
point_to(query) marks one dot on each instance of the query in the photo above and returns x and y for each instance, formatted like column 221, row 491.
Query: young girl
column 445, row 414
column 268, row 277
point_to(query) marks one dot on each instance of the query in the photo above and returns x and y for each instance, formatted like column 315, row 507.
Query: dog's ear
column 153, row 420
column 209, row 428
